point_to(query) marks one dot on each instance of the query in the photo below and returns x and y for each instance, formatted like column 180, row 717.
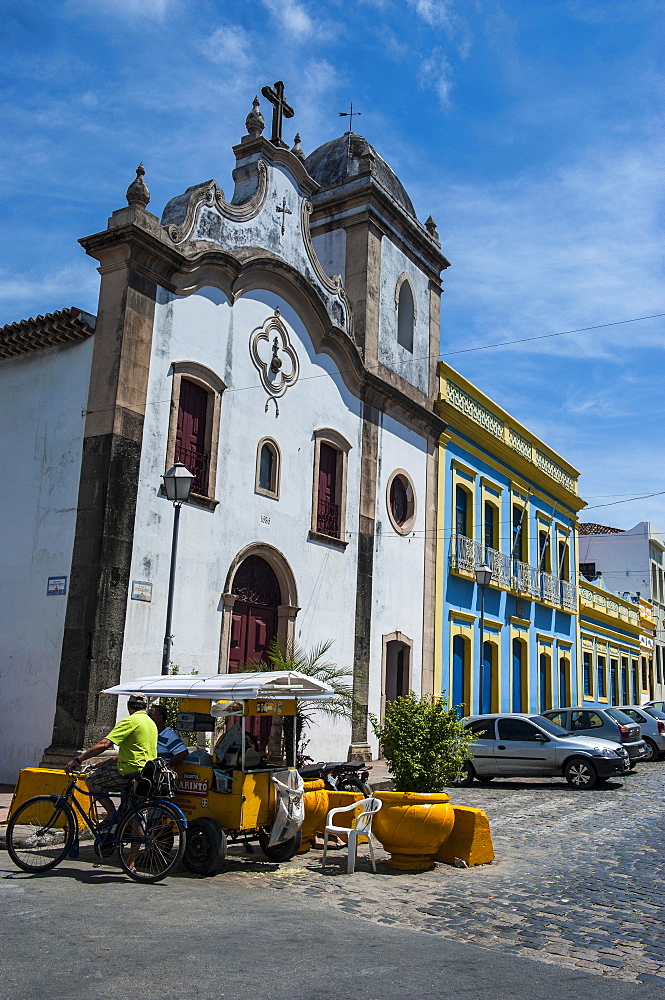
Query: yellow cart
column 234, row 794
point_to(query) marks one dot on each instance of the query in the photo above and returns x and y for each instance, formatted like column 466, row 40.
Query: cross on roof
column 349, row 114
column 280, row 109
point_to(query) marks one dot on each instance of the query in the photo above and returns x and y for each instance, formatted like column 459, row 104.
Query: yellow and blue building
column 508, row 502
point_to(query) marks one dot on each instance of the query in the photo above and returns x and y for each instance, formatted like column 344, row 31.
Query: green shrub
column 423, row 742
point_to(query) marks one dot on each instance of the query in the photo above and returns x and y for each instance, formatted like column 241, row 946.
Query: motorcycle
column 345, row 776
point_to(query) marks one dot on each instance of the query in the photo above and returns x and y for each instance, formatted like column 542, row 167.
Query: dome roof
column 338, row 161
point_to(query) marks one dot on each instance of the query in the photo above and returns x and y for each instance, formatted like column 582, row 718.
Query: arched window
column 405, row 316
column 329, row 494
column 193, row 437
column 267, row 468
column 459, row 670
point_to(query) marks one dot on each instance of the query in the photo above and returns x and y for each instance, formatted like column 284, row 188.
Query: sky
column 531, row 131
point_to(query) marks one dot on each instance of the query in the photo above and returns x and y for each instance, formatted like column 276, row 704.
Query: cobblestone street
column 577, row 879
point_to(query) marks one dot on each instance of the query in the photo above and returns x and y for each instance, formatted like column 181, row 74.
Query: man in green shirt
column 136, row 739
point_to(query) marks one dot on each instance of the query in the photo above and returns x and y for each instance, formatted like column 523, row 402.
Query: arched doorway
column 254, row 618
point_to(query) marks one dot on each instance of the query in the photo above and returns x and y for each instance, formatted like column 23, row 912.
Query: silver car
column 652, row 726
column 606, row 723
column 521, row 745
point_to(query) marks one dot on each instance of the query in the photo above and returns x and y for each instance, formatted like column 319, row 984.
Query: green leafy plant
column 313, row 663
column 423, row 742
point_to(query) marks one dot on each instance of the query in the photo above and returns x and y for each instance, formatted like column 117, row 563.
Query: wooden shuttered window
column 191, row 443
column 327, row 519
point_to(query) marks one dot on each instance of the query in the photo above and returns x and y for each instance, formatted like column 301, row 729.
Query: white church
column 282, row 345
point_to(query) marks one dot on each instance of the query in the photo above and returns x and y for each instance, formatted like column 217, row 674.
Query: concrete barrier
column 470, row 840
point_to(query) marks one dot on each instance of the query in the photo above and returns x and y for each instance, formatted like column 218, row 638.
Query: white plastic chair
column 362, row 827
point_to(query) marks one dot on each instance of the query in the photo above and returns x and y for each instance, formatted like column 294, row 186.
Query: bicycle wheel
column 151, row 841
column 40, row 833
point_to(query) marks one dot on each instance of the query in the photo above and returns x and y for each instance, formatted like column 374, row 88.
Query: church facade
column 282, row 345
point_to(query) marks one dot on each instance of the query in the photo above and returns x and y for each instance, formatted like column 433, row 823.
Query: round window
column 401, row 501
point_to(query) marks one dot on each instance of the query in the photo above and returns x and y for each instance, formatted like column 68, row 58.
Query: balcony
column 327, row 518
column 197, row 463
column 536, row 584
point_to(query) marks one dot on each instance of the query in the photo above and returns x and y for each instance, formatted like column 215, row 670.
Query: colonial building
column 507, row 504
column 631, row 562
column 615, row 634
column 278, row 343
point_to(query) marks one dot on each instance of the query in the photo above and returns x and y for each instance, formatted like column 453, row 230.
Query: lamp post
column 483, row 577
column 177, row 484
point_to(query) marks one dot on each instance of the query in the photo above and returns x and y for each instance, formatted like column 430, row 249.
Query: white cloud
column 436, row 13
column 436, row 73
column 578, row 246
column 293, row 17
column 71, row 285
column 230, row 46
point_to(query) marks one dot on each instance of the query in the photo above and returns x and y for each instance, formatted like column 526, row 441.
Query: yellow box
column 270, row 706
column 194, row 705
column 48, row 781
column 249, row 805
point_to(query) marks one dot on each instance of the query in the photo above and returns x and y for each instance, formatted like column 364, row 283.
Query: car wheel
column 465, row 775
column 580, row 773
column 650, row 750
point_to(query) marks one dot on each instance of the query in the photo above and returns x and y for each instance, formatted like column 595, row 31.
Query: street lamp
column 483, row 577
column 177, row 484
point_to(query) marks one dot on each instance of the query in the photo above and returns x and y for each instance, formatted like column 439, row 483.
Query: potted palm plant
column 425, row 745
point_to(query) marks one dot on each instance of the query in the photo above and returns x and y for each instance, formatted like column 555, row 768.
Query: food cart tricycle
column 233, row 791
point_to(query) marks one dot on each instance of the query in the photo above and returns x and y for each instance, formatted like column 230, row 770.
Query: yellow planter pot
column 412, row 826
column 318, row 801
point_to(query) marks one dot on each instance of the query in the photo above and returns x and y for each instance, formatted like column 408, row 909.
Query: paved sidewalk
column 577, row 881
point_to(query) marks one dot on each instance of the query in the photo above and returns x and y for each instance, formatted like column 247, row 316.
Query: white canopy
column 228, row 687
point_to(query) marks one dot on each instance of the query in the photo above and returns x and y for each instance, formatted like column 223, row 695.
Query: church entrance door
column 254, row 623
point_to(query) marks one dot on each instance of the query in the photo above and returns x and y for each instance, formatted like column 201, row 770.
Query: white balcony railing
column 467, row 553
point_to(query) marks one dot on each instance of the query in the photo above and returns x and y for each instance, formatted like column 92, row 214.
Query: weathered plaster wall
column 412, row 366
column 398, row 590
column 44, row 398
column 206, row 329
column 331, row 251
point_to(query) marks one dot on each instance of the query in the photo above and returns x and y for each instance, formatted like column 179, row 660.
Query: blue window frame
column 563, row 697
column 586, row 672
column 461, row 510
column 486, row 692
column 489, row 525
column 601, row 677
column 518, row 655
column 459, row 666
column 518, row 534
column 543, row 666
column 624, row 680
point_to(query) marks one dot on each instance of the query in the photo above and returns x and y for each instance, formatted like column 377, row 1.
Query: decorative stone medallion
column 273, row 356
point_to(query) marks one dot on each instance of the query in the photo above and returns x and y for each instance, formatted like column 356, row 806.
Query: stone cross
column 285, row 211
column 280, row 109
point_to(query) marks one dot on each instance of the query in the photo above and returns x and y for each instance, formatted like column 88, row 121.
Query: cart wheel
column 205, row 848
column 279, row 852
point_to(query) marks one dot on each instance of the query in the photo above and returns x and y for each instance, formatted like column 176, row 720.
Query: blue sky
column 531, row 130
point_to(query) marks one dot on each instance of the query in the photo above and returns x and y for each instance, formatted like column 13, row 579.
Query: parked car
column 660, row 705
column 521, row 745
column 652, row 726
column 606, row 723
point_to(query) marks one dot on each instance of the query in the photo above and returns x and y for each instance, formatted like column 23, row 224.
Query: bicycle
column 149, row 834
